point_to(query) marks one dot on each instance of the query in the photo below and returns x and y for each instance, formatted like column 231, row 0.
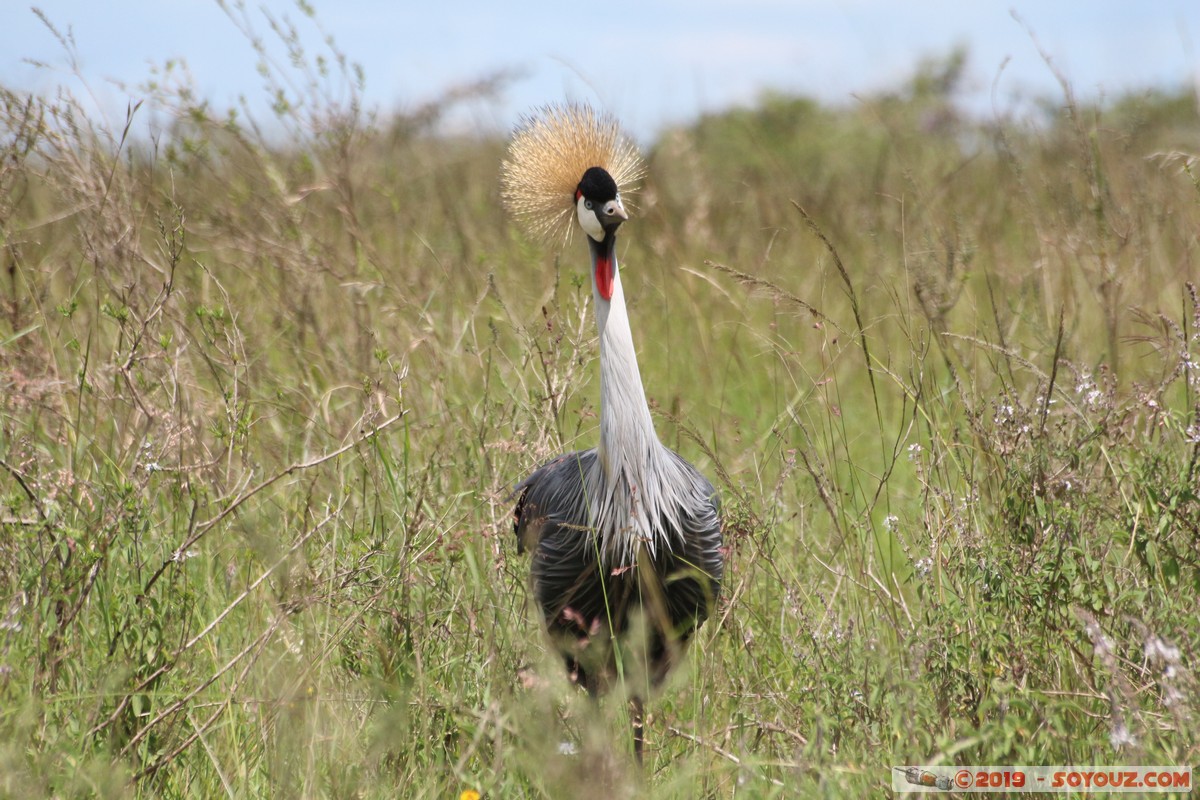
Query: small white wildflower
column 1121, row 736
column 567, row 749
column 183, row 555
column 152, row 466
column 856, row 694
column 959, row 525
column 1156, row 649
column 889, row 523
column 1192, row 433
column 835, row 634
column 1100, row 643
column 914, row 451
column 1004, row 414
column 924, row 566
column 1093, row 397
column 1167, row 656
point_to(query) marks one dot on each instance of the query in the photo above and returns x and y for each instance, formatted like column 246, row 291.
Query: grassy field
column 264, row 392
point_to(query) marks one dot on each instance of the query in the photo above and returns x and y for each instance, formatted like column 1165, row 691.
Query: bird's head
column 569, row 164
column 598, row 204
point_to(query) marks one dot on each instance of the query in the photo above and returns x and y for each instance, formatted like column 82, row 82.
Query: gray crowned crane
column 625, row 537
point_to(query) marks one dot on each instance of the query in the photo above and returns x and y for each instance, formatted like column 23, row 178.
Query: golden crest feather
column 551, row 149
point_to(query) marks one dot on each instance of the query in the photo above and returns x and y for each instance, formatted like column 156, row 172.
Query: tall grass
column 264, row 396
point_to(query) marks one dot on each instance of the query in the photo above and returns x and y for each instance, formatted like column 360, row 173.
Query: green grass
column 263, row 397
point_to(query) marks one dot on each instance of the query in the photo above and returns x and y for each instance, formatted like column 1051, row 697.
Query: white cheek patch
column 588, row 220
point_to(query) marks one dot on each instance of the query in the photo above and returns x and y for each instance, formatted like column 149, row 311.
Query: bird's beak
column 614, row 214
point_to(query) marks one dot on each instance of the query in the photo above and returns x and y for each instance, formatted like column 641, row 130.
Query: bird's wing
column 553, row 494
column 694, row 575
column 553, row 520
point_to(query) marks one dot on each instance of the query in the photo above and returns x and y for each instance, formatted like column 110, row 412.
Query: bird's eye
column 587, row 204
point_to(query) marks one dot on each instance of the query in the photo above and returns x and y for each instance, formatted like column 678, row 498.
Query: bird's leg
column 637, row 722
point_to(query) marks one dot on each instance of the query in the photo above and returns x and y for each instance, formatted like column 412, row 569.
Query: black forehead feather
column 598, row 185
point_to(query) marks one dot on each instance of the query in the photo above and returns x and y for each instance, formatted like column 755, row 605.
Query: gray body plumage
column 625, row 530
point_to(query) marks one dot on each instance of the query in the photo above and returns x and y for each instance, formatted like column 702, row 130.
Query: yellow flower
column 470, row 794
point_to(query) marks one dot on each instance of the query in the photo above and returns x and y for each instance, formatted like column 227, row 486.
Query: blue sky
column 652, row 63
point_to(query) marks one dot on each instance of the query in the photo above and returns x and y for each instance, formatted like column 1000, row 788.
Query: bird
column 627, row 554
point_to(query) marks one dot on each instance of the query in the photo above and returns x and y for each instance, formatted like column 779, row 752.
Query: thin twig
column 19, row 477
column 718, row 750
column 186, row 743
column 174, row 707
column 1058, row 346
column 205, row 527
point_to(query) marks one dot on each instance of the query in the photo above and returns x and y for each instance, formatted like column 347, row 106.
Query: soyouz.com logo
column 1142, row 779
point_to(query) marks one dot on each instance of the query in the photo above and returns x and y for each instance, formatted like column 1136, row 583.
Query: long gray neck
column 627, row 437
column 637, row 489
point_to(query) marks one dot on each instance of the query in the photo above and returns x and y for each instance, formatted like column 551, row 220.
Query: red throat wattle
column 604, row 276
